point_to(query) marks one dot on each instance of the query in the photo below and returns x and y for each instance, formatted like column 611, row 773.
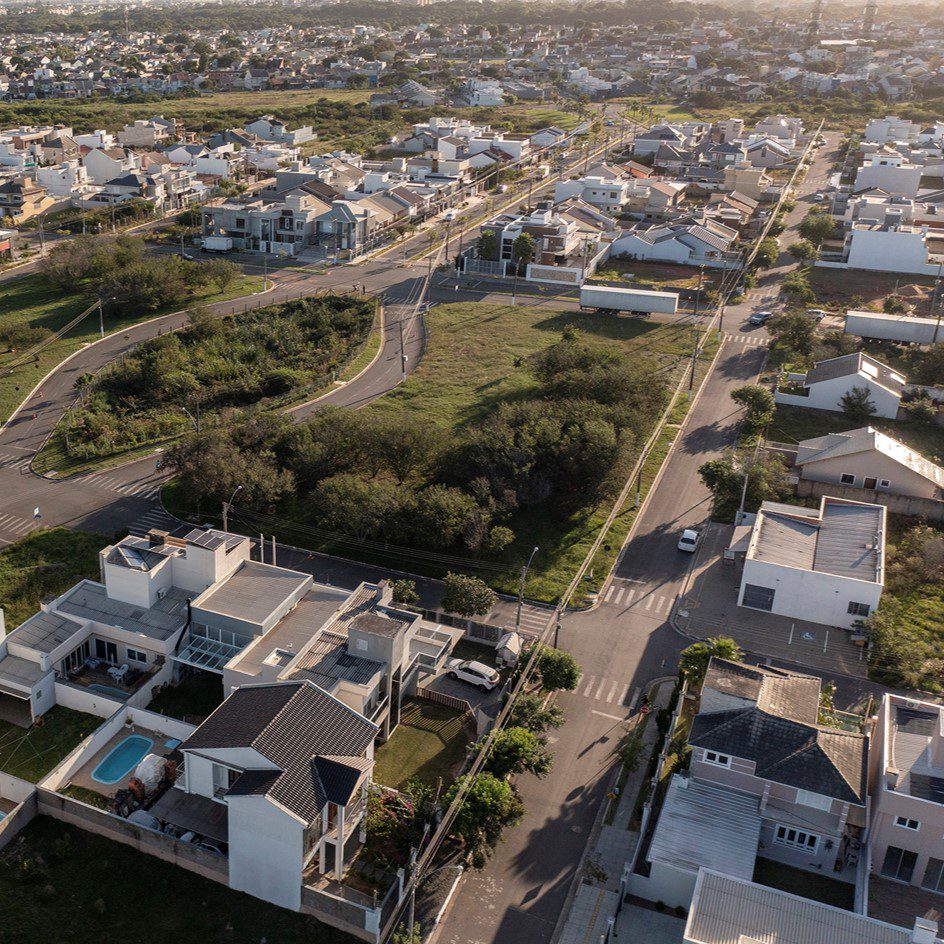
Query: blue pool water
column 122, row 759
column 109, row 691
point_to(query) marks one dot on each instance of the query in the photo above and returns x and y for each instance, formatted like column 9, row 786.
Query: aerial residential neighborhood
column 471, row 473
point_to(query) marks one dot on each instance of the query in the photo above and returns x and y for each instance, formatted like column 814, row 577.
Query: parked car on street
column 475, row 673
column 760, row 317
column 688, row 542
column 817, row 314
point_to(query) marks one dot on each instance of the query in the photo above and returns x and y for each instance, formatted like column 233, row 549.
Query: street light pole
column 524, row 574
column 227, row 506
column 691, row 376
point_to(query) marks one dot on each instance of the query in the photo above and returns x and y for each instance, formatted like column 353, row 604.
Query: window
column 796, row 838
column 136, row 655
column 847, row 478
column 719, row 760
column 758, row 598
column 815, row 801
column 884, row 483
column 899, row 863
column 934, row 876
column 858, row 609
column 223, row 779
column 906, row 823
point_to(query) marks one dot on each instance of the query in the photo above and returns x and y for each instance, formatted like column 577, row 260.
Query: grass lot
column 32, row 753
column 655, row 276
column 63, row 884
column 43, row 564
column 192, row 700
column 33, row 301
column 805, row 884
column 211, row 111
column 430, row 743
column 792, row 424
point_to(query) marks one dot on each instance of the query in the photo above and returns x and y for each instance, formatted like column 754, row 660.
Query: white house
column 106, row 164
column 290, row 766
column 824, row 565
column 890, row 129
column 827, row 382
column 891, row 173
column 269, row 128
column 704, row 243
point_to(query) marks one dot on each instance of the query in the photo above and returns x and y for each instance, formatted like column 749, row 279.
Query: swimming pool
column 122, row 759
column 109, row 691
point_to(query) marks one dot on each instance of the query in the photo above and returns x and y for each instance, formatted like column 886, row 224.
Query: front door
column 870, row 483
column 106, row 651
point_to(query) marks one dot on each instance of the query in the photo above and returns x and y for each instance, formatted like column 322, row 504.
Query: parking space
column 708, row 606
column 489, row 702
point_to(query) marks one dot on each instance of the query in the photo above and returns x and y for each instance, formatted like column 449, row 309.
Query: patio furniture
column 118, row 672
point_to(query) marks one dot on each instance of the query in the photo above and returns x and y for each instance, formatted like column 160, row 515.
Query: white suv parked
column 475, row 673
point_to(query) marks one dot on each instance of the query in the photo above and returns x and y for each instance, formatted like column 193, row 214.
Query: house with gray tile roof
column 766, row 779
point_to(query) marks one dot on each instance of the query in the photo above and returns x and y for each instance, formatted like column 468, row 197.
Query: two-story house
column 281, row 771
column 907, row 832
column 766, row 779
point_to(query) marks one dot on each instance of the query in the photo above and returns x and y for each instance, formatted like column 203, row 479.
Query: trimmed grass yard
column 792, row 424
column 37, row 303
column 196, row 697
column 805, row 884
column 62, row 884
column 429, row 744
column 44, row 563
column 31, row 753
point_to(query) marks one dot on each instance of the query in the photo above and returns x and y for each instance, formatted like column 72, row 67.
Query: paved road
column 621, row 644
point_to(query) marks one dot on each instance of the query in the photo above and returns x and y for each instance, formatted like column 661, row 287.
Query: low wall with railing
column 149, row 841
column 361, row 921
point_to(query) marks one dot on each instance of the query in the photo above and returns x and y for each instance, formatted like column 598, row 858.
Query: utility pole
column 101, row 319
column 691, row 376
column 402, row 353
column 42, row 236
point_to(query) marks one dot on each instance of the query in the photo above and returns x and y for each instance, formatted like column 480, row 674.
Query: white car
column 817, row 314
column 450, row 215
column 688, row 542
column 475, row 673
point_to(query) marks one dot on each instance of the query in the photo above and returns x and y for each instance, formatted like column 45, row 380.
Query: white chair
column 118, row 672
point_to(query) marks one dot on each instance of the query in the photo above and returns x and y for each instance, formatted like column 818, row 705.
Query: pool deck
column 83, row 776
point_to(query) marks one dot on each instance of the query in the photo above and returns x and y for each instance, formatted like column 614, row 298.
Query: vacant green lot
column 430, row 744
column 792, row 424
column 63, row 884
column 31, row 753
column 806, row 884
column 35, row 302
column 43, row 564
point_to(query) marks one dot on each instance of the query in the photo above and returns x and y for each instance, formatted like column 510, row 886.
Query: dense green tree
column 516, row 751
column 759, row 403
column 535, row 713
column 817, row 228
column 858, row 405
column 558, row 669
column 767, row 253
column 693, row 662
column 467, row 596
column 795, row 331
column 490, row 805
column 765, row 477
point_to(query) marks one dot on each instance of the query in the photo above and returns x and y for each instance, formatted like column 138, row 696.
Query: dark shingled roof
column 806, row 756
column 339, row 776
column 293, row 725
column 778, row 691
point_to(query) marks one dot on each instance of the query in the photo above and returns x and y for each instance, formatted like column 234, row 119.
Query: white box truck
column 217, row 244
column 907, row 328
column 606, row 299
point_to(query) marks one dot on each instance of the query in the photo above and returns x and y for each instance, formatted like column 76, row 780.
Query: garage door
column 758, row 598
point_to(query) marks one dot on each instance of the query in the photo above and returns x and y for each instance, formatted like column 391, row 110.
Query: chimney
column 384, row 594
column 925, row 931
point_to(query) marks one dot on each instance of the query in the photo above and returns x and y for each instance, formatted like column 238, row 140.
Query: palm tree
column 522, row 252
column 693, row 662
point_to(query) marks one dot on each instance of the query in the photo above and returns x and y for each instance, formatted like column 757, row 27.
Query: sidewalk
column 611, row 846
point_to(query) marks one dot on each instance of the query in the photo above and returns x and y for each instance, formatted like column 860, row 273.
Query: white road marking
column 649, row 602
column 610, row 697
column 603, row 714
column 619, row 596
column 661, row 604
column 609, row 593
column 586, row 691
column 600, row 689
column 632, row 593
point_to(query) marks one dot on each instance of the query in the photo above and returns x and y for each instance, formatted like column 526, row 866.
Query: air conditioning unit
column 162, row 593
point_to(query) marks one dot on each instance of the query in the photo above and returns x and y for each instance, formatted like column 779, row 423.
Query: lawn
column 63, row 884
column 34, row 301
column 44, row 564
column 32, row 753
column 429, row 745
column 792, row 424
column 805, row 884
column 196, row 696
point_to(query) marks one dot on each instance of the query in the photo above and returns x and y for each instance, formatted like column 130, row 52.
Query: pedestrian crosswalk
column 113, row 483
column 750, row 340
column 642, row 599
column 17, row 527
column 10, row 461
column 155, row 518
column 534, row 618
column 609, row 691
